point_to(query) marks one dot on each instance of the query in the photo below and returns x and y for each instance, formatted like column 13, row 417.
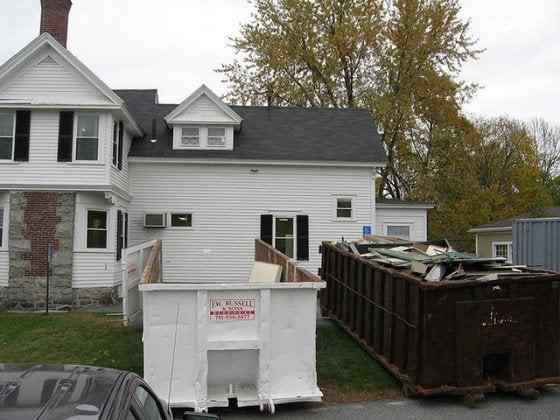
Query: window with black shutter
column 65, row 136
column 302, row 230
column 121, row 145
column 115, row 143
column 23, row 131
column 120, row 239
column 7, row 135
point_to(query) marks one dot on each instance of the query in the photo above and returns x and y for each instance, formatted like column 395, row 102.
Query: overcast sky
column 174, row 46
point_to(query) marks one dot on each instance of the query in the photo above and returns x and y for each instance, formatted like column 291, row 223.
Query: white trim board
column 165, row 160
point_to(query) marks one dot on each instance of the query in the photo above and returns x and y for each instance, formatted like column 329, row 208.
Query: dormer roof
column 203, row 107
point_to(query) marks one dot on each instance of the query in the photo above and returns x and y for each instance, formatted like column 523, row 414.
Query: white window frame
column 173, row 212
column 208, row 136
column 501, row 243
column 199, row 145
column 294, row 223
column 13, row 115
column 396, row 224
column 350, row 197
column 107, row 229
column 75, row 139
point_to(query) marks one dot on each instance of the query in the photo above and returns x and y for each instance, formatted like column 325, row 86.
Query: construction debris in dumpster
column 432, row 261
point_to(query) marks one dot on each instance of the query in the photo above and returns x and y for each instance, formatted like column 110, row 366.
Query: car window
column 148, row 404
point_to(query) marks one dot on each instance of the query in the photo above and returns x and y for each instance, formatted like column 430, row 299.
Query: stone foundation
column 38, row 219
column 3, row 297
column 95, row 296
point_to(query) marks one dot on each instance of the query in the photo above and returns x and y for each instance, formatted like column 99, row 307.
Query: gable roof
column 268, row 133
column 507, row 224
column 202, row 91
column 45, row 39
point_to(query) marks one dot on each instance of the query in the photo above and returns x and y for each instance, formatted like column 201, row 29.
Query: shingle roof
column 508, row 223
column 267, row 133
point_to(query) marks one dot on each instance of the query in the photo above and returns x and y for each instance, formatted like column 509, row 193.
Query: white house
column 86, row 170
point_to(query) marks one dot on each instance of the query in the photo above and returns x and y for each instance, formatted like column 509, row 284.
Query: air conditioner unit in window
column 155, row 220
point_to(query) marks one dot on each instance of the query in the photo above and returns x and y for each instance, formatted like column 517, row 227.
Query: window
column 1, row 226
column 181, row 219
column 216, row 136
column 190, row 136
column 400, row 231
column 344, row 208
column 502, row 249
column 7, row 134
column 148, row 404
column 97, row 229
column 284, row 238
column 87, row 140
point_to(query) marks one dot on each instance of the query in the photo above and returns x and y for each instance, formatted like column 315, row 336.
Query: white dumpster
column 207, row 343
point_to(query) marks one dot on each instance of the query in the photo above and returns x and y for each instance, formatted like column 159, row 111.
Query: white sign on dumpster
column 232, row 309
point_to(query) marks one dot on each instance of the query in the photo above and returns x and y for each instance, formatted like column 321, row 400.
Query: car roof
column 54, row 392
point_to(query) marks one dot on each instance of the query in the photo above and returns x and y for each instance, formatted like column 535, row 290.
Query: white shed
column 404, row 219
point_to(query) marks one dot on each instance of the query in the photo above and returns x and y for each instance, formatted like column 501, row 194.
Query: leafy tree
column 400, row 59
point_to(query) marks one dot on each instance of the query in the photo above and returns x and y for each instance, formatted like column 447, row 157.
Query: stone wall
column 37, row 219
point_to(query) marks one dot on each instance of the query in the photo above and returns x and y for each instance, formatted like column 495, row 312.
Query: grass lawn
column 345, row 371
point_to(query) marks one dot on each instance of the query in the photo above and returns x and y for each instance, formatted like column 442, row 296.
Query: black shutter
column 126, row 230
column 302, row 238
column 121, row 145
column 115, row 144
column 119, row 234
column 23, row 129
column 65, row 136
column 266, row 228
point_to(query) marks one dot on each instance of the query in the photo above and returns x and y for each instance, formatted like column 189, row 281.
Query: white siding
column 226, row 202
column 93, row 269
column 120, row 178
column 48, row 79
column 203, row 109
column 43, row 168
column 415, row 218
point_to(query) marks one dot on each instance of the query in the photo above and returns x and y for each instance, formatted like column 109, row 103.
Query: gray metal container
column 536, row 242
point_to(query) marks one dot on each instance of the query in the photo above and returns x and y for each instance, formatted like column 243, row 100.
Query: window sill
column 349, row 220
column 94, row 251
column 85, row 163
column 11, row 162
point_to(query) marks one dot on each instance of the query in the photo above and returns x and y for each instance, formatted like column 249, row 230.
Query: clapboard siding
column 226, row 202
column 203, row 109
column 119, row 178
column 93, row 269
column 4, row 268
column 48, row 79
column 415, row 218
column 43, row 168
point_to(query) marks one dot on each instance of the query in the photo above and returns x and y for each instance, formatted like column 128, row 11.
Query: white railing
column 140, row 264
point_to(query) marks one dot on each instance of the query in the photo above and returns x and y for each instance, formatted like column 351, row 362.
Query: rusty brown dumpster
column 448, row 337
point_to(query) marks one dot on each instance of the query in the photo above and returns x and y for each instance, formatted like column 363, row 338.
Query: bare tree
column 547, row 138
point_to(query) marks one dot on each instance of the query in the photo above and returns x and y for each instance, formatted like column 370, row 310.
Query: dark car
column 74, row 392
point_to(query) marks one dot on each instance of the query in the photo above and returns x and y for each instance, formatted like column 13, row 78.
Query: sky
column 175, row 45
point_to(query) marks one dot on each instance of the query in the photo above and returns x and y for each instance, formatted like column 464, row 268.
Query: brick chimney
column 54, row 18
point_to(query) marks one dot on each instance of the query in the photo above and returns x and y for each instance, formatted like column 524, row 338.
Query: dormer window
column 216, row 137
column 190, row 136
